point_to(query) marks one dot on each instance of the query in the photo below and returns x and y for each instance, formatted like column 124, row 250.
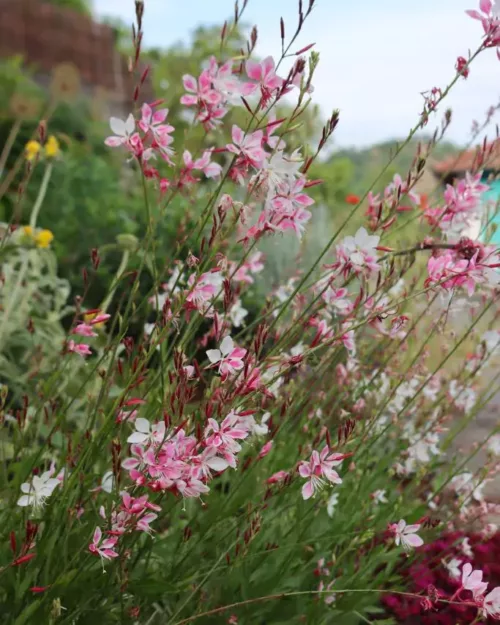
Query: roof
column 47, row 35
column 470, row 160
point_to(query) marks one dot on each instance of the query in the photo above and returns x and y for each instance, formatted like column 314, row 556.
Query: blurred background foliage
column 94, row 195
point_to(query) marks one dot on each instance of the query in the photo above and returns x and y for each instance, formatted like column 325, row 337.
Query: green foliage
column 82, row 6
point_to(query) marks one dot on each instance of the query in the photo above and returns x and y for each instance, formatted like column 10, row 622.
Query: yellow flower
column 44, row 238
column 52, row 147
column 28, row 231
column 87, row 318
column 32, row 148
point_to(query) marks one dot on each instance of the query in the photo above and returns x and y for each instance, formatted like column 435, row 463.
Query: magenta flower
column 79, row 348
column 249, row 146
column 490, row 20
column 152, row 121
column 229, row 357
column 203, row 290
column 103, row 549
column 265, row 75
column 199, row 90
column 277, row 477
column 318, row 467
column 84, row 329
column 290, row 196
column 265, row 449
column 224, row 437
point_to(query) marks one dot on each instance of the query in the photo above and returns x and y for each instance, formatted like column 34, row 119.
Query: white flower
column 466, row 548
column 108, row 482
column 463, row 397
column 261, row 429
column 297, row 350
column 378, row 496
column 144, row 432
column 226, row 347
column 407, row 535
column 280, row 167
column 332, row 504
column 454, row 568
column 270, row 374
column 360, row 248
column 466, row 485
column 491, row 605
column 423, row 448
column 172, row 286
column 491, row 340
column 494, row 445
column 37, row 492
column 237, row 313
column 121, row 129
column 398, row 288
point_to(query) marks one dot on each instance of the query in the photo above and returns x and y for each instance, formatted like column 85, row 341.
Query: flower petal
column 227, row 345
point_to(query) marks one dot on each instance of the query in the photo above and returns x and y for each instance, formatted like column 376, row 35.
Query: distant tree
column 83, row 6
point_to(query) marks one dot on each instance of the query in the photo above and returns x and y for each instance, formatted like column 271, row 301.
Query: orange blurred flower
column 352, row 199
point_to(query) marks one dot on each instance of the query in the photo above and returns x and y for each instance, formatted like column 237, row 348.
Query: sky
column 377, row 56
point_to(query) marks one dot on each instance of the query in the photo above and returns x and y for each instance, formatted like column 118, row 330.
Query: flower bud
column 128, row 242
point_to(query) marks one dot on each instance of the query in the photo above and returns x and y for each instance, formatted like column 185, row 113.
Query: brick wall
column 47, row 35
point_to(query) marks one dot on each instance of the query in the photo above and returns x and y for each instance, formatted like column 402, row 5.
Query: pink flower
column 279, row 476
column 99, row 318
column 144, row 521
column 320, row 465
column 265, row 75
column 152, row 121
column 337, row 299
column 209, row 461
column 290, row 195
column 104, row 548
column 265, row 449
column 399, row 187
column 358, row 253
column 203, row 290
column 84, row 329
column 79, row 348
column 224, row 436
column 210, row 169
column 200, row 89
column 490, row 20
column 473, row 580
column 406, row 535
column 249, row 146
column 229, row 357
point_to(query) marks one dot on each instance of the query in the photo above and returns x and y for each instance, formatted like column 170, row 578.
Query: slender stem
column 16, row 126
column 120, row 271
column 297, row 593
column 41, row 194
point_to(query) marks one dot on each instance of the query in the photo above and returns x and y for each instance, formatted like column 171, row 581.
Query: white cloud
column 376, row 58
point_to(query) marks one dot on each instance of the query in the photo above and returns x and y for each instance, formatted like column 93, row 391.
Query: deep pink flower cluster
column 457, row 568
